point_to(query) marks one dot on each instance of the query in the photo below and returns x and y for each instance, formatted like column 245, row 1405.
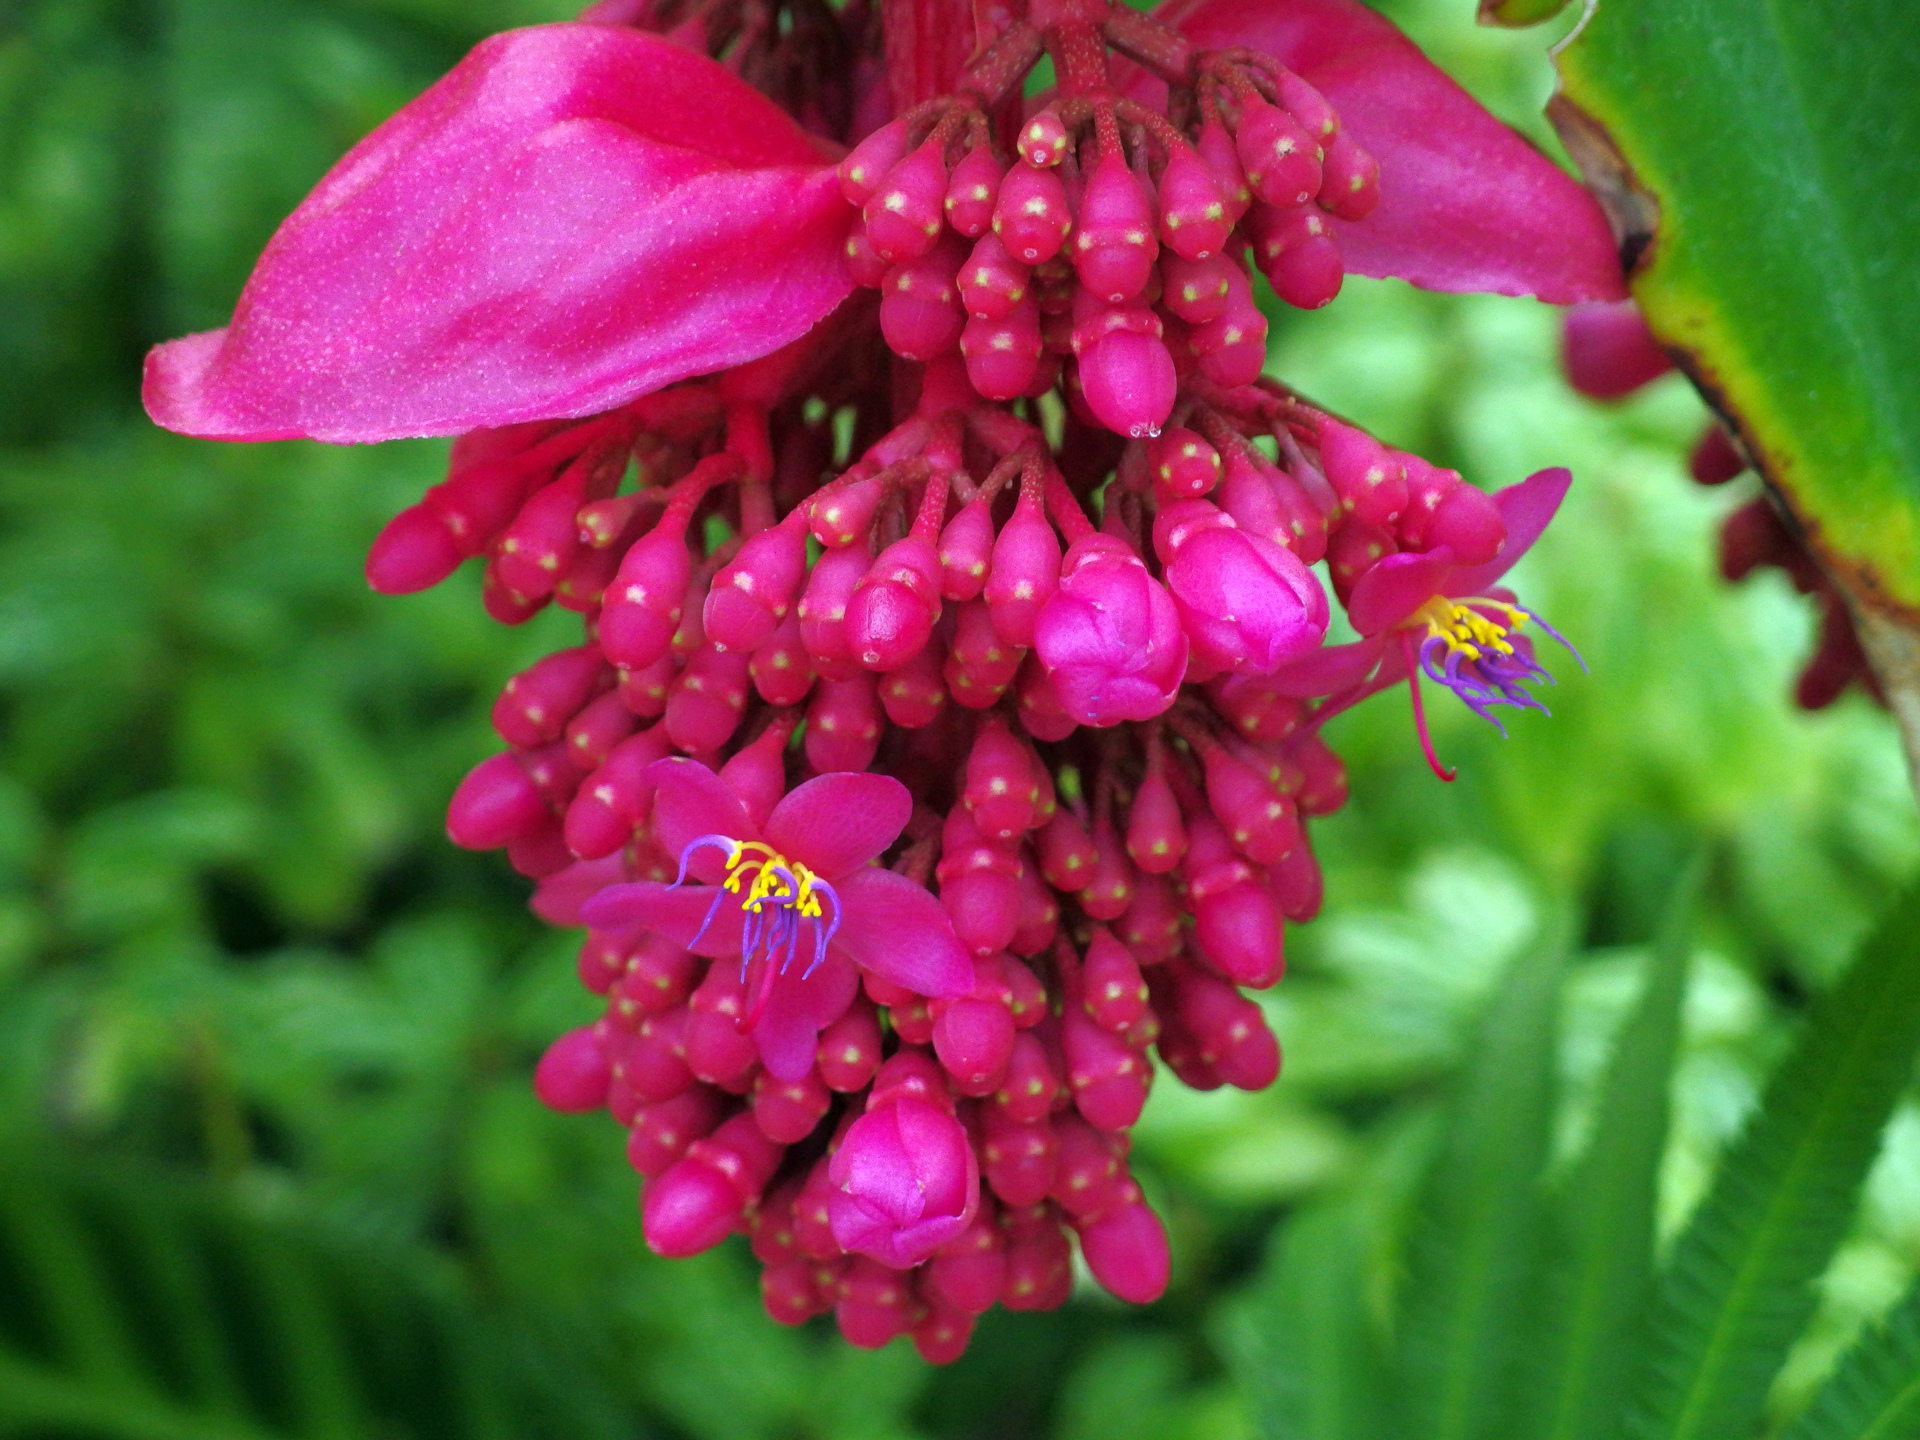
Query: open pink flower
column 1419, row 613
column 1466, row 204
column 799, row 903
column 576, row 215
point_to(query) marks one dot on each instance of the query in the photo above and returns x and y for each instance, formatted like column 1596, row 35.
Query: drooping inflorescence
column 937, row 761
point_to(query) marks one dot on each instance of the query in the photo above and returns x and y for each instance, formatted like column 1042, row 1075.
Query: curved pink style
column 1465, row 203
column 574, row 216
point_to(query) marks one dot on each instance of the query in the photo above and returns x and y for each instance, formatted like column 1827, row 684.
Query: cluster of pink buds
column 1609, row 353
column 935, row 764
column 1114, row 235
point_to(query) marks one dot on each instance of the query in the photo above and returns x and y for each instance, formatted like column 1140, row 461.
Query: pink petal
column 1327, row 671
column 839, row 822
column 676, row 911
column 557, row 898
column 576, row 215
column 1528, row 508
column 800, row 1007
column 1466, row 204
column 689, row 802
column 1396, row 587
column 897, row 930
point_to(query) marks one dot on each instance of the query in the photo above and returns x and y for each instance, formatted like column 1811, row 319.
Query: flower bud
column 1110, row 637
column 661, row 1134
column 1244, row 602
column 1031, row 215
column 1126, row 1249
column 905, row 1182
column 1282, row 160
column 697, row 1203
column 572, row 1076
column 1113, row 242
column 971, row 190
column 1024, row 573
column 903, row 214
column 753, row 592
column 1193, row 216
column 843, row 724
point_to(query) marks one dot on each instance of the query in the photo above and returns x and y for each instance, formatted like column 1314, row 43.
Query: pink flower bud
column 1156, row 836
column 1017, row 1157
column 1026, row 996
column 992, row 283
column 1236, row 924
column 843, row 725
column 999, row 787
column 1126, row 1249
column 757, row 771
column 1150, row 928
column 612, row 800
column 1215, row 146
column 1371, row 484
column 1044, row 139
column 1230, row 1029
column 843, row 515
column 644, row 691
column 875, row 1304
column 1031, row 215
column 849, row 1050
column 1282, row 160
column 1254, row 709
column 1469, row 523
column 1116, row 995
column 603, row 960
column 1024, row 573
column 966, row 550
column 495, row 805
column 787, row 1110
column 1184, row 465
column 966, row 1273
column 941, row 1335
column 903, row 214
column 661, row 1134
column 1323, row 786
column 891, row 612
column 1129, row 382
column 1296, row 884
column 717, row 1049
column 1110, row 637
column 659, row 975
column 706, row 700
column 1039, row 1272
column 782, row 670
column 1108, row 1079
column 1193, row 216
column 645, row 601
column 864, row 263
column 1043, row 714
column 915, row 695
column 572, row 1076
column 905, row 1182
column 602, row 724
column 979, row 888
column 973, row 1036
column 868, row 163
column 971, row 190
column 792, row 1292
column 1028, row 1092
column 1039, row 921
column 653, row 1064
column 823, row 611
column 1297, row 252
column 536, row 704
column 980, row 665
column 1113, row 242
column 1066, row 853
column 1110, row 891
column 1428, row 487
column 1244, row 602
column 753, row 592
column 1231, row 349
column 697, row 1203
column 1349, row 180
column 1088, row 1169
column 539, row 544
column 1606, row 349
column 920, row 311
column 415, row 551
column 1003, row 354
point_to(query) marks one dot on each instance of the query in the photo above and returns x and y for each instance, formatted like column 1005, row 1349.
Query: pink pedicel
column 942, row 741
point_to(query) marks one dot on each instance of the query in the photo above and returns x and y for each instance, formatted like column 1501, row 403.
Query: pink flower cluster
column 947, row 718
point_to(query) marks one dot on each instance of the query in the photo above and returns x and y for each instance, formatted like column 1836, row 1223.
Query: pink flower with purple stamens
column 799, row 902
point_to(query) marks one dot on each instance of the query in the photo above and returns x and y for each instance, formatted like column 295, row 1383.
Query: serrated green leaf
column 1477, row 1240
column 1875, row 1392
column 1603, row 1266
column 1739, row 1285
column 1767, row 151
column 143, row 1308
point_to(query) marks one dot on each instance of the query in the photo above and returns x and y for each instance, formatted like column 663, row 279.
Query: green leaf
column 1477, row 1242
column 145, row 1308
column 1761, row 155
column 1740, row 1284
column 1603, row 1268
column 1875, row 1393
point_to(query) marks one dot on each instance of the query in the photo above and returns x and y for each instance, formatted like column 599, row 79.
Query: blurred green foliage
column 269, row 1160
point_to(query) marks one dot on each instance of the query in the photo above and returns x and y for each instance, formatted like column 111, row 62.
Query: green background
column 262, row 1025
